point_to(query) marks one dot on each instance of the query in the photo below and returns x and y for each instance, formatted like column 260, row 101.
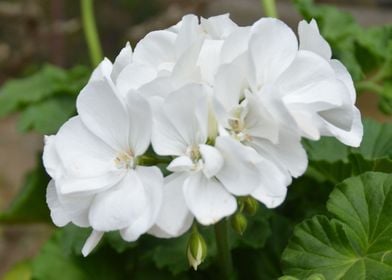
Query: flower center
column 193, row 152
column 125, row 160
column 237, row 128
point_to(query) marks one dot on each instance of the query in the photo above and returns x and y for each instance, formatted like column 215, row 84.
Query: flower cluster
column 224, row 106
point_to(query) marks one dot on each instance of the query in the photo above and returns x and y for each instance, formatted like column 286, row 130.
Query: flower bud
column 197, row 250
column 239, row 223
column 250, row 205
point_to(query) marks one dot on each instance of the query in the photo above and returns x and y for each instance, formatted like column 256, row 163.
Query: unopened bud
column 197, row 250
column 239, row 223
column 250, row 205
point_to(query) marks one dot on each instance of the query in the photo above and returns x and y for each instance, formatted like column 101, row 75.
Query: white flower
column 343, row 122
column 93, row 161
column 187, row 52
column 180, row 129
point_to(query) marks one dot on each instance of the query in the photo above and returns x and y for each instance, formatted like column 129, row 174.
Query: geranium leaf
column 356, row 242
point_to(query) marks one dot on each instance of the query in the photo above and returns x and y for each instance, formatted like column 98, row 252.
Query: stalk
column 224, row 255
column 269, row 8
column 90, row 32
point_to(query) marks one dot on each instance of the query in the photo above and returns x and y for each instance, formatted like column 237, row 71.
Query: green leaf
column 58, row 259
column 30, row 203
column 47, row 116
column 49, row 81
column 330, row 160
column 356, row 242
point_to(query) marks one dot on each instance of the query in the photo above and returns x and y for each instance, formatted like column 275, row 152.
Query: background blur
column 34, row 32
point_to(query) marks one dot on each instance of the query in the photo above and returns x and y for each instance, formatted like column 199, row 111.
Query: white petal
column 59, row 216
column 189, row 32
column 103, row 70
column 288, row 153
column 273, row 185
column 207, row 199
column 91, row 242
column 88, row 163
column 235, row 44
column 259, row 122
column 239, row 175
column 352, row 137
column 186, row 69
column 273, row 47
column 179, row 164
column 156, row 48
column 182, row 121
column 104, row 114
column 306, row 69
column 140, row 123
column 68, row 208
column 311, row 40
column 152, row 180
column 123, row 59
column 212, row 158
column 133, row 76
column 218, row 27
column 119, row 206
column 209, row 59
column 229, row 83
column 343, row 75
column 51, row 160
column 161, row 87
column 174, row 216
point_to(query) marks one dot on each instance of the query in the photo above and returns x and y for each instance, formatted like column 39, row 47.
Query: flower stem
column 224, row 255
column 269, row 8
column 90, row 32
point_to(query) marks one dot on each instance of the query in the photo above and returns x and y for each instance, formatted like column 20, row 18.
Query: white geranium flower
column 348, row 132
column 180, row 130
column 187, row 52
column 254, row 59
column 94, row 163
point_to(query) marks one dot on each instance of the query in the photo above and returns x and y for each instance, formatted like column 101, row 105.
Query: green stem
column 222, row 243
column 269, row 8
column 90, row 32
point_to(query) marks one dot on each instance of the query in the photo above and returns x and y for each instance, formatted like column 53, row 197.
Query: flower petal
column 273, row 46
column 133, row 76
column 152, row 180
column 156, row 48
column 102, row 71
column 207, row 199
column 180, row 164
column 174, row 216
column 59, row 217
column 273, row 185
column 51, row 160
column 235, row 44
column 104, row 114
column 88, row 163
column 123, row 59
column 288, row 153
column 182, row 121
column 91, row 242
column 212, row 158
column 239, row 174
column 119, row 206
column 311, row 40
column 218, row 27
column 140, row 123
